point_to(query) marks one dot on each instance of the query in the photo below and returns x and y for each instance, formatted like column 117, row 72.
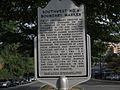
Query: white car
column 113, row 77
column 116, row 77
column 5, row 83
column 31, row 79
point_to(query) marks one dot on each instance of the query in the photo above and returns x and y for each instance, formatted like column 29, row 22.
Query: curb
column 109, row 81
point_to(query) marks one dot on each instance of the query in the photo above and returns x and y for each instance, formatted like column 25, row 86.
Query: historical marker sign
column 62, row 45
column 62, row 41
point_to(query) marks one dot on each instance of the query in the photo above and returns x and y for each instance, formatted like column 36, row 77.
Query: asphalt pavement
column 31, row 86
column 90, row 85
column 94, row 84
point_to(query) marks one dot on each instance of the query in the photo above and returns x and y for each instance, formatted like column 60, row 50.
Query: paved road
column 90, row 85
column 32, row 86
column 100, row 85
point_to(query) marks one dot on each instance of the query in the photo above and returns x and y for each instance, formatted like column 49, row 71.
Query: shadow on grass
column 48, row 87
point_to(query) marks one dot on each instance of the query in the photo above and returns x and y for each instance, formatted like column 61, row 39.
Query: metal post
column 63, row 83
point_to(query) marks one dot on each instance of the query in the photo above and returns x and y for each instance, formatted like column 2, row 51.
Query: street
column 100, row 85
column 32, row 86
column 90, row 85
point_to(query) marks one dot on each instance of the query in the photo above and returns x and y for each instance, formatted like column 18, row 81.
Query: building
column 1, row 66
column 115, row 47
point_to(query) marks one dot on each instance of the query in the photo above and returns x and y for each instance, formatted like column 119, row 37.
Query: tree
column 14, row 64
column 18, row 23
column 102, row 18
column 114, row 63
column 23, row 14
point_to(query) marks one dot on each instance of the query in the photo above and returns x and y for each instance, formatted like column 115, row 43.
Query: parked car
column 113, row 77
column 116, row 77
column 13, row 82
column 5, row 83
column 108, row 77
column 30, row 79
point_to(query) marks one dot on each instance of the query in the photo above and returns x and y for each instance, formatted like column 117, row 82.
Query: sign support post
column 63, row 83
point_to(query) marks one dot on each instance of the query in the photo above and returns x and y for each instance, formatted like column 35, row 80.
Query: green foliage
column 4, row 74
column 1, row 60
column 14, row 64
column 114, row 63
column 99, row 48
column 102, row 19
column 18, row 27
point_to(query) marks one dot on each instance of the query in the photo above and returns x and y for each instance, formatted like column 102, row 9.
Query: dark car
column 13, row 82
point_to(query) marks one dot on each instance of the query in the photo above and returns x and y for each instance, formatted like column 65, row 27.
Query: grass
column 48, row 87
